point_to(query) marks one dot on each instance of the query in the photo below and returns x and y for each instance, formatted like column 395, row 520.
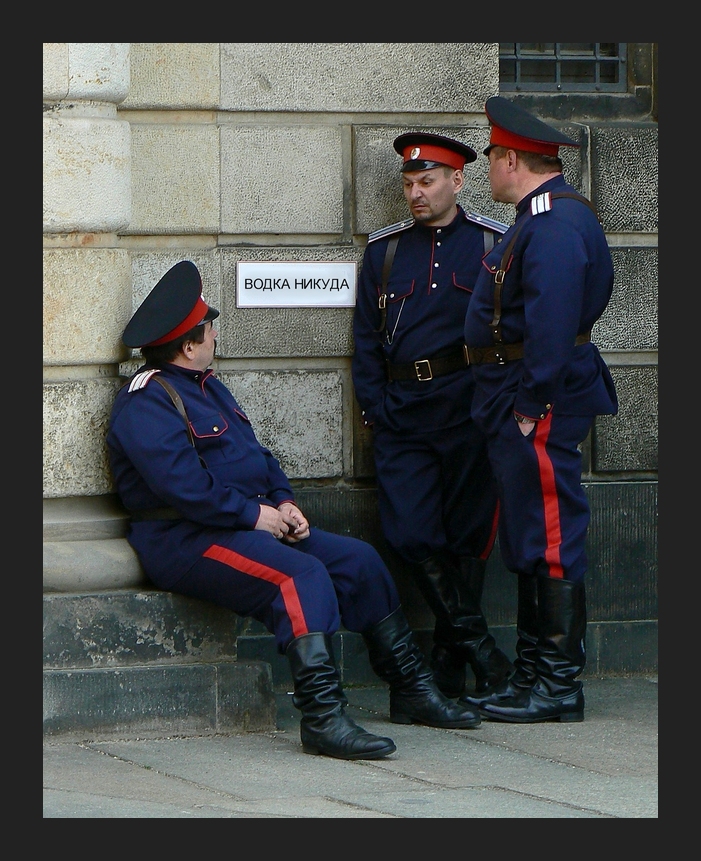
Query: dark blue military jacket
column 154, row 465
column 430, row 285
column 558, row 283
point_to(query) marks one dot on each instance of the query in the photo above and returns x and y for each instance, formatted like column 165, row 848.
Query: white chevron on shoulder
column 140, row 380
column 541, row 203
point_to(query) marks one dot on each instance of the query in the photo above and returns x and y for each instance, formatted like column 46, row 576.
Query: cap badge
column 415, row 152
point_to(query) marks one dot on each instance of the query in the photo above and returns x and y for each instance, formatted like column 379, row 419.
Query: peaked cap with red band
column 423, row 151
column 515, row 128
column 173, row 307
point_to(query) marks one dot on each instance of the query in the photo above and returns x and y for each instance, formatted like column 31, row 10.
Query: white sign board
column 290, row 284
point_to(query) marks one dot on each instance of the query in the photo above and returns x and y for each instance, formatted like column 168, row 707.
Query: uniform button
column 492, row 268
column 391, row 295
column 436, row 265
column 215, row 428
column 433, row 286
column 438, row 244
column 439, row 230
column 499, row 240
column 548, row 406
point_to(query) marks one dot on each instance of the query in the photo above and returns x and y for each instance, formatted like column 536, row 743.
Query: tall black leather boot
column 325, row 728
column 453, row 590
column 527, row 638
column 414, row 696
column 556, row 693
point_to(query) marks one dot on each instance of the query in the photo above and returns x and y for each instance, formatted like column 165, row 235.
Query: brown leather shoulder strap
column 178, row 401
column 501, row 272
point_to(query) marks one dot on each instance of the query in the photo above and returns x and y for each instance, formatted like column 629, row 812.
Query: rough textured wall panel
column 87, row 174
column 175, row 181
column 298, row 415
column 435, row 77
column 630, row 321
column 76, row 415
column 55, row 64
column 294, row 332
column 282, row 179
column 87, row 303
column 624, row 175
column 98, row 71
column 629, row 440
column 174, row 75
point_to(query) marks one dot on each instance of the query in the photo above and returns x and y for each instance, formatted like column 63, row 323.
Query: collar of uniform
column 446, row 228
column 557, row 182
column 177, row 372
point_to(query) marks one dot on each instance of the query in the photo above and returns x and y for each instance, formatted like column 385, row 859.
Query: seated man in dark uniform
column 213, row 516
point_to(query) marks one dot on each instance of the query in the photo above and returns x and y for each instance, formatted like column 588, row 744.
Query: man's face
column 431, row 194
column 498, row 175
column 204, row 352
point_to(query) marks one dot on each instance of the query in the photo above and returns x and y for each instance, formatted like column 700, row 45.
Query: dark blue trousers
column 436, row 491
column 544, row 511
column 313, row 585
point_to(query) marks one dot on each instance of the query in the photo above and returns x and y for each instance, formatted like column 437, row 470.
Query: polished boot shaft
column 453, row 590
column 414, row 696
column 556, row 693
column 524, row 675
column 325, row 728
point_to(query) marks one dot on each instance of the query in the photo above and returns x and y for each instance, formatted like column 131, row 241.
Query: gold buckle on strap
column 421, row 373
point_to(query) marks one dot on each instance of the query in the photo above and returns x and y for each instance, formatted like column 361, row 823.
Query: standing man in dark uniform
column 437, row 496
column 539, row 383
column 213, row 516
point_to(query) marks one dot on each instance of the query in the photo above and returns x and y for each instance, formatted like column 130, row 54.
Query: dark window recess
column 562, row 67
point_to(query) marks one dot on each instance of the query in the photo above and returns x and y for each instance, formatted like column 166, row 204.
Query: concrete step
column 144, row 663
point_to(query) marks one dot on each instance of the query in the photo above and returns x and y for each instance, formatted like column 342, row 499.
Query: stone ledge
column 157, row 701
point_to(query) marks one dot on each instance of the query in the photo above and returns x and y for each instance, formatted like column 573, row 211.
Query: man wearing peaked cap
column 214, row 517
column 516, row 128
column 423, row 151
column 437, row 495
column 173, row 307
column 539, row 384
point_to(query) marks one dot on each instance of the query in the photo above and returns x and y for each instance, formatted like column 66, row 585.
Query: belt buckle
column 422, row 375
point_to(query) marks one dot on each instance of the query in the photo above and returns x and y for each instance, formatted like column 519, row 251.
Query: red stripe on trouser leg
column 492, row 535
column 551, row 505
column 288, row 590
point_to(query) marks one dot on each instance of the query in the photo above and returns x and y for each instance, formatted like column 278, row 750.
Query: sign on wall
column 291, row 284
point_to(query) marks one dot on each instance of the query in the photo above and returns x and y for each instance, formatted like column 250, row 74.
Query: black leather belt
column 156, row 514
column 427, row 369
column 504, row 353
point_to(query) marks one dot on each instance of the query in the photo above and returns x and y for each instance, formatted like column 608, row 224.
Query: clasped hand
column 285, row 522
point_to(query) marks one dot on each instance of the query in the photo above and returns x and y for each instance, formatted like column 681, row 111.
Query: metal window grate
column 567, row 67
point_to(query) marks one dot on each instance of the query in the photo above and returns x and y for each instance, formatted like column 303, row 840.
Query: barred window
column 566, row 67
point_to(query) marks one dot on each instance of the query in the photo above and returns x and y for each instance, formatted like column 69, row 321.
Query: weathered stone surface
column 625, row 178
column 76, row 414
column 87, row 304
column 175, row 181
column 431, row 77
column 629, row 440
column 281, row 179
